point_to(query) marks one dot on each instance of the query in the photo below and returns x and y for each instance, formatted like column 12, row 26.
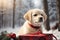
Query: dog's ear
column 27, row 15
column 45, row 16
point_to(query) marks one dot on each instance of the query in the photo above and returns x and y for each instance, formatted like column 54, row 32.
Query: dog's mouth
column 39, row 21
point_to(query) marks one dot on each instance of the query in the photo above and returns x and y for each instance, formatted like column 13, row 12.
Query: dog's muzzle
column 41, row 19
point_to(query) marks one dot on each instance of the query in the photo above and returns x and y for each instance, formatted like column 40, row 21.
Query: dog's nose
column 40, row 19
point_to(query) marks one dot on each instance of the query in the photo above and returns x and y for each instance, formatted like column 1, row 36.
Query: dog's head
column 36, row 16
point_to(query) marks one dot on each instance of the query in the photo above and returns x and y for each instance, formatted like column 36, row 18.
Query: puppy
column 34, row 20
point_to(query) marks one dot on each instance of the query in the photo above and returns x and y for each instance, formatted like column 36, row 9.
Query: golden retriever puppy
column 34, row 20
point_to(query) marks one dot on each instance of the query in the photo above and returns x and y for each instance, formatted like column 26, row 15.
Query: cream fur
column 25, row 29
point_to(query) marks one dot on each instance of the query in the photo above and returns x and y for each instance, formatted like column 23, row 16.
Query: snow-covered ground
column 16, row 30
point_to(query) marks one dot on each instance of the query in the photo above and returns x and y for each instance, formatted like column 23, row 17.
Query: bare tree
column 58, row 12
column 45, row 3
column 14, row 13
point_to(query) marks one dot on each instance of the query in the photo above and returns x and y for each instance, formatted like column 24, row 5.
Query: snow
column 11, row 30
column 16, row 30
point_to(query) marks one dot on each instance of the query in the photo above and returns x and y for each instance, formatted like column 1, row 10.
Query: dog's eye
column 35, row 14
column 41, row 14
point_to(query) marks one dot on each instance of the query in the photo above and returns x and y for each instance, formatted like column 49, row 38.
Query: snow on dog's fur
column 35, row 17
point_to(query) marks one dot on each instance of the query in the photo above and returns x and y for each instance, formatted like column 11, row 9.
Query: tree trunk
column 45, row 3
column 58, row 12
column 14, row 13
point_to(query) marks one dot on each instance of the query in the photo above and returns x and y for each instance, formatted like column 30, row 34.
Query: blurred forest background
column 12, row 12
